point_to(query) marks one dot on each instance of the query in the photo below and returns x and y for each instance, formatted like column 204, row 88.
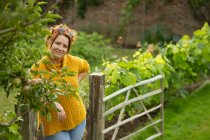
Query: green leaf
column 14, row 129
column 49, row 117
column 41, row 3
column 115, row 76
column 128, row 79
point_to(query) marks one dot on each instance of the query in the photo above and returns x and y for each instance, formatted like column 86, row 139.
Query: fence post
column 96, row 119
column 162, row 107
column 28, row 126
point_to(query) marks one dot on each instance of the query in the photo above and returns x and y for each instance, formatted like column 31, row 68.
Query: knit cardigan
column 73, row 106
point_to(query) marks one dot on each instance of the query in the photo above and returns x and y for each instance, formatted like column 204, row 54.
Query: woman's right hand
column 61, row 113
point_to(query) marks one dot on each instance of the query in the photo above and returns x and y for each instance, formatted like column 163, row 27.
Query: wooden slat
column 120, row 116
column 130, row 119
column 140, row 130
column 162, row 108
column 131, row 101
column 154, row 136
column 145, row 109
column 133, row 86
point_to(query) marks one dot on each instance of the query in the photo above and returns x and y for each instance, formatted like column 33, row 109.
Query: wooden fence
column 97, row 130
column 28, row 127
column 96, row 115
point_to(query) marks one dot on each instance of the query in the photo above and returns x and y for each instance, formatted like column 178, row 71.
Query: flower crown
column 63, row 30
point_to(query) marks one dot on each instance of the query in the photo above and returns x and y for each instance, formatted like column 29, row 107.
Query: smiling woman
column 69, row 122
column 59, row 48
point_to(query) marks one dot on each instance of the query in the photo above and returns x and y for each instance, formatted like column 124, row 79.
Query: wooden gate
column 97, row 130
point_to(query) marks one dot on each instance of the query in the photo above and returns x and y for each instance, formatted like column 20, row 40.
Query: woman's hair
column 60, row 29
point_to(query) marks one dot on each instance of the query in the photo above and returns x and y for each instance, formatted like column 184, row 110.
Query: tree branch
column 7, row 41
column 30, row 22
column 13, row 120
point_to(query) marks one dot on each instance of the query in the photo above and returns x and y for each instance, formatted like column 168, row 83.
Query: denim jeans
column 73, row 134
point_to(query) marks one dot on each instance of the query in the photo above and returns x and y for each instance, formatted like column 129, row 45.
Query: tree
column 22, row 30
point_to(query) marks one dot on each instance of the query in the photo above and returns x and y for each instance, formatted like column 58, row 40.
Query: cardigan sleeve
column 84, row 66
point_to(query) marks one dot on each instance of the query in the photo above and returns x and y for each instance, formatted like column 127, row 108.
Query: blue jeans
column 73, row 134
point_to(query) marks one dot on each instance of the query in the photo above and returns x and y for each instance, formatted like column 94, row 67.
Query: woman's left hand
column 61, row 113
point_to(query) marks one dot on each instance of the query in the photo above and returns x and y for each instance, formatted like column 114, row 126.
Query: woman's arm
column 82, row 76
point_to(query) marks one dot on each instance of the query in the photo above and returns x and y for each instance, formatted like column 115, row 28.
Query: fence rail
column 97, row 129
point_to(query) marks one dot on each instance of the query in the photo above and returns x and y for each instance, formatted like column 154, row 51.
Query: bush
column 159, row 34
column 92, row 47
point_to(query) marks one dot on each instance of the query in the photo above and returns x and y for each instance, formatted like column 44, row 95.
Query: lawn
column 7, row 104
column 186, row 118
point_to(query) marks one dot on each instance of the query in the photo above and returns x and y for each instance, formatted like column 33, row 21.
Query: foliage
column 126, row 14
column 200, row 9
column 125, row 72
column 81, row 9
column 82, row 6
column 159, row 34
column 20, row 40
column 190, row 58
column 11, row 132
column 21, row 37
column 182, row 64
column 41, row 94
column 197, row 3
column 90, row 46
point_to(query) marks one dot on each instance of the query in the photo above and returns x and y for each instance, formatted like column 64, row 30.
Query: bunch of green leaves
column 11, row 132
column 190, row 58
column 159, row 34
column 41, row 95
column 92, row 47
column 125, row 72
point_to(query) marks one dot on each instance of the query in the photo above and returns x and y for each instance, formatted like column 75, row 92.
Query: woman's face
column 59, row 47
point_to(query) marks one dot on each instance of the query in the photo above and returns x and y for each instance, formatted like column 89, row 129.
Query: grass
column 7, row 104
column 186, row 119
column 112, row 54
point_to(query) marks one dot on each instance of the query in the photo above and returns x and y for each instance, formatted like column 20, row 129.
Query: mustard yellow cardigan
column 74, row 107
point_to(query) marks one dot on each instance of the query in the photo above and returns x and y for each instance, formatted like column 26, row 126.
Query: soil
column 127, row 128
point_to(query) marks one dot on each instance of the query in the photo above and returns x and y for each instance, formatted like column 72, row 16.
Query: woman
column 68, row 123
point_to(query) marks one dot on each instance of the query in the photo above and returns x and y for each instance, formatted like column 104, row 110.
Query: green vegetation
column 7, row 113
column 92, row 47
column 159, row 34
column 126, row 13
column 182, row 64
column 82, row 6
column 22, row 43
column 186, row 118
column 7, row 103
column 195, row 4
column 190, row 58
